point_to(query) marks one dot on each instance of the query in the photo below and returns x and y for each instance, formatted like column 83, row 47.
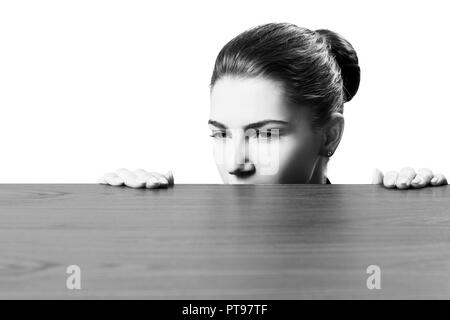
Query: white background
column 87, row 87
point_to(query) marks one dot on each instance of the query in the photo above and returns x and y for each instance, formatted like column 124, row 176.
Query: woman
column 277, row 99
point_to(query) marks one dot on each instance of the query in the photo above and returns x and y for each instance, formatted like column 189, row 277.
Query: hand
column 137, row 179
column 408, row 178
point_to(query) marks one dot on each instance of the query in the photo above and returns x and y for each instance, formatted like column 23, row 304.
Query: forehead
column 239, row 101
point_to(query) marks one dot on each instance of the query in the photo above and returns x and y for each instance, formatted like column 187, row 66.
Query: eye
column 263, row 134
column 218, row 134
column 266, row 134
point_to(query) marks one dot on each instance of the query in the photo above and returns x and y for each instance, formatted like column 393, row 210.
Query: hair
column 318, row 69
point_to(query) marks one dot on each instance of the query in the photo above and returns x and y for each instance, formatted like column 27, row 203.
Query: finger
column 405, row 177
column 422, row 178
column 125, row 173
column 426, row 174
column 142, row 174
column 377, row 177
column 130, row 179
column 140, row 171
column 113, row 179
column 163, row 182
column 438, row 180
column 418, row 182
column 152, row 182
column 389, row 179
column 134, row 183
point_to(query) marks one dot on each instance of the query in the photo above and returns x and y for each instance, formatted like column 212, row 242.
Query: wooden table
column 224, row 242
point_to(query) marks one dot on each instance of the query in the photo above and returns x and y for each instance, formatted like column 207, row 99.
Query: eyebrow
column 249, row 126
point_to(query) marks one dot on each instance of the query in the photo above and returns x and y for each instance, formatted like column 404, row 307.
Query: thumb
column 377, row 177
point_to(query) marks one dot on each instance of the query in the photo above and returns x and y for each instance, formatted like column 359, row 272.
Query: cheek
column 219, row 153
column 223, row 153
column 295, row 149
column 266, row 156
column 290, row 160
column 298, row 158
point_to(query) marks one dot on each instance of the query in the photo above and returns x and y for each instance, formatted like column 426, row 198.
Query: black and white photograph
column 224, row 156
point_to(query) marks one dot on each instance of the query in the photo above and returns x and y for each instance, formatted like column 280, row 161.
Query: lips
column 244, row 174
column 242, row 178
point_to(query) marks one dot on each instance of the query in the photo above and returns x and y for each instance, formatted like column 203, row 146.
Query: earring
column 329, row 153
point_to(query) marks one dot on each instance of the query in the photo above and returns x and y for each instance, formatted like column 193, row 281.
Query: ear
column 332, row 134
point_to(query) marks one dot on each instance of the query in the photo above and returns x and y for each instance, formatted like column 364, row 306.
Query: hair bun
column 346, row 58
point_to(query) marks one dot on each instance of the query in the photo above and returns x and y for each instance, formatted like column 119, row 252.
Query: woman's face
column 257, row 137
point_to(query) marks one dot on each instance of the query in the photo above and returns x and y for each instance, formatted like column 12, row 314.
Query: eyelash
column 214, row 135
column 258, row 134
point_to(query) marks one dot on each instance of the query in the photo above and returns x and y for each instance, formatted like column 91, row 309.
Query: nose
column 240, row 165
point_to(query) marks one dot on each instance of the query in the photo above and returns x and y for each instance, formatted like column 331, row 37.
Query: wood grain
column 223, row 241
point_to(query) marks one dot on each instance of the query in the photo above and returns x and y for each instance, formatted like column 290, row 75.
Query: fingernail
column 151, row 185
column 403, row 184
